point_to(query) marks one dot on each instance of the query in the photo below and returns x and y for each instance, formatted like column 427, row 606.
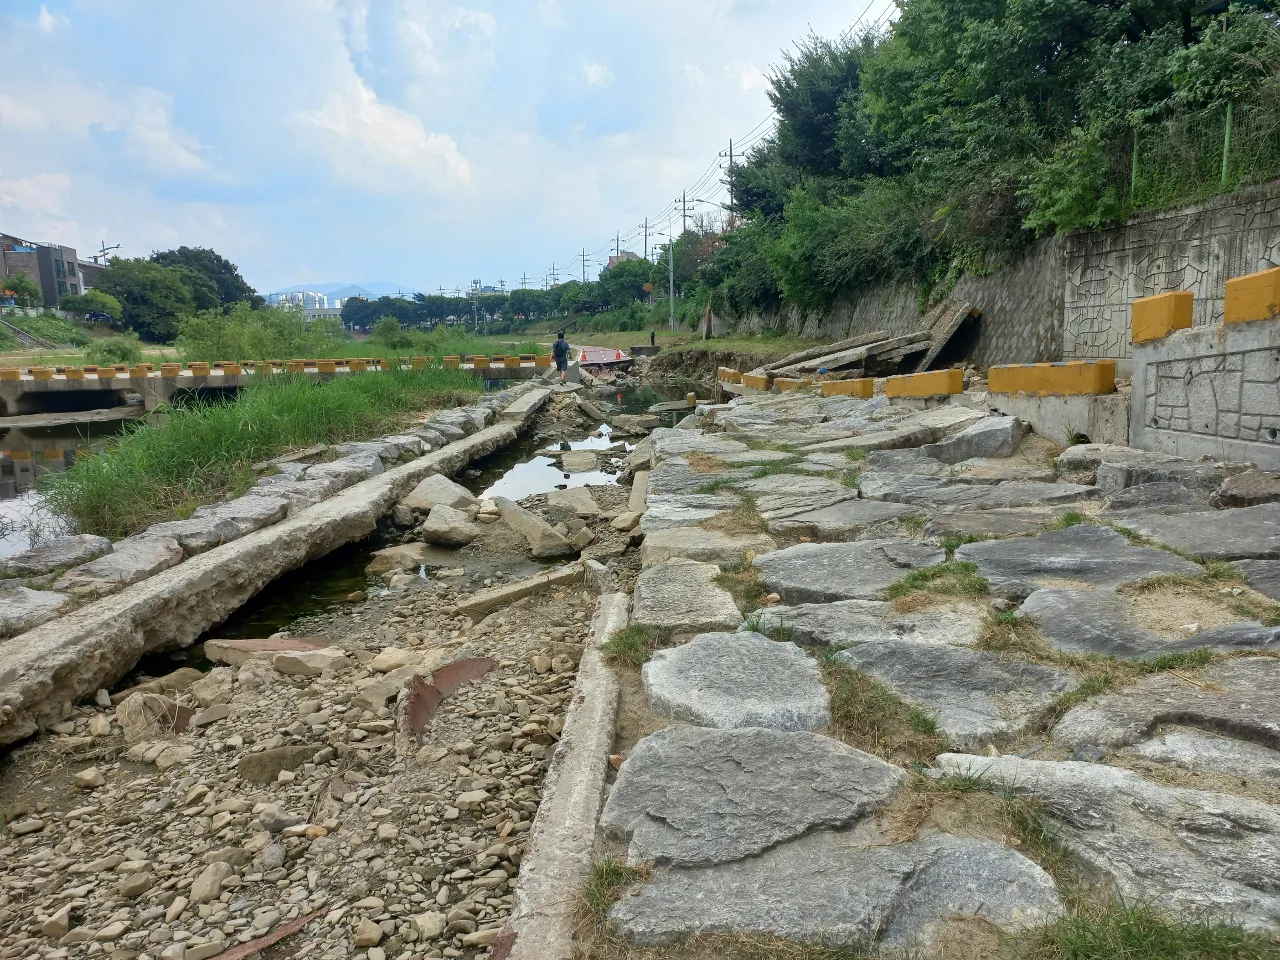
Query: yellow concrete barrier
column 10, row 373
column 138, row 371
column 417, row 363
column 932, row 384
column 511, row 363
column 729, row 375
column 327, row 366
column 756, row 381
column 357, row 366
column 170, row 370
column 40, row 373
column 295, row 366
column 1069, row 379
column 863, row 387
column 542, row 361
column 786, row 384
column 199, row 369
column 1154, row 318
column 526, row 358
column 74, row 373
column 382, row 363
column 1255, row 296
column 106, row 373
column 497, row 359
column 480, row 363
column 451, row 363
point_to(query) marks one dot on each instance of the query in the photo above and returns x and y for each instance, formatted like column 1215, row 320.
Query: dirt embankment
column 697, row 363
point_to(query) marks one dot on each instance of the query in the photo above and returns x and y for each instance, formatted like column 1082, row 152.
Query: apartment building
column 55, row 267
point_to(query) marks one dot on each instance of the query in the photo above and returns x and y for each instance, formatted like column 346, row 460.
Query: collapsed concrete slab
column 682, row 596
column 56, row 554
column 823, row 572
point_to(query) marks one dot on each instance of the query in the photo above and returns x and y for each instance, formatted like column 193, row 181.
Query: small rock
column 356, row 596
column 368, row 933
column 24, row 827
column 57, row 925
column 135, row 885
column 540, row 664
column 208, row 885
column 99, row 726
column 88, row 779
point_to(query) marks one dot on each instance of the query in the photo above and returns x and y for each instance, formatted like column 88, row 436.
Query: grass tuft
column 719, row 483
column 203, row 452
column 632, row 646
column 1218, row 586
column 857, row 454
column 1070, row 518
column 606, row 880
column 956, row 578
column 743, row 581
column 868, row 715
column 774, row 468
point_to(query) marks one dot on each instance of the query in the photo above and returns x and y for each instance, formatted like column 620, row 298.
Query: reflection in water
column 515, row 474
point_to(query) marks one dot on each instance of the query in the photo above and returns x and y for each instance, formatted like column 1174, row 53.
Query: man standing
column 560, row 350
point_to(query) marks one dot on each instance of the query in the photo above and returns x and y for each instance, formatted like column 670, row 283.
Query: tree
column 152, row 297
column 204, row 292
column 221, row 272
column 22, row 288
column 624, row 282
column 387, row 330
column 91, row 301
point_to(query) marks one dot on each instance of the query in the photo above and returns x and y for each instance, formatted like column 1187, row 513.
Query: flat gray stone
column 844, row 888
column 577, row 499
column 991, row 523
column 447, row 527
column 1097, row 556
column 1203, row 752
column 739, row 458
column 823, row 572
column 1159, row 494
column 914, row 462
column 729, row 680
column 668, row 443
column 954, row 496
column 1240, row 697
column 347, row 471
column 1202, row 477
column 976, row 697
column 437, row 490
column 692, row 796
column 930, row 426
column 578, row 461
column 664, row 512
column 1099, row 621
column 22, row 608
column 675, row 476
column 213, row 525
column 985, row 470
column 1191, row 851
column 682, row 596
column 57, row 554
column 1246, row 533
column 1248, row 489
column 845, row 520
column 709, row 546
column 544, row 542
column 1086, row 457
column 992, row 437
column 1262, row 575
column 792, row 485
column 846, row 622
column 134, row 559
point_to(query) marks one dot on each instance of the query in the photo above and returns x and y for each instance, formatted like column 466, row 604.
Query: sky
column 413, row 141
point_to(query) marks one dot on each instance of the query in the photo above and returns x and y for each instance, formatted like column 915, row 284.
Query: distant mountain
column 372, row 289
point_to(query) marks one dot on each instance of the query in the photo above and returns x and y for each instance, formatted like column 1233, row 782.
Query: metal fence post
column 1226, row 144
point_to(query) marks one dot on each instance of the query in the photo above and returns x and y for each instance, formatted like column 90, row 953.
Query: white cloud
column 48, row 22
column 380, row 148
column 597, row 75
column 20, row 117
column 41, row 195
column 152, row 136
column 748, row 77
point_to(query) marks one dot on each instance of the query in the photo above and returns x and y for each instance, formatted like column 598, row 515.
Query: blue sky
column 415, row 141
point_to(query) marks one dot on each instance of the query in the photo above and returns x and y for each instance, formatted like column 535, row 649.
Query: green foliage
column 868, row 715
column 223, row 275
column 203, row 452
column 22, row 288
column 50, row 327
column 125, row 348
column 153, row 298
column 387, row 331
column 243, row 333
column 91, row 301
column 606, row 880
column 631, row 646
column 957, row 578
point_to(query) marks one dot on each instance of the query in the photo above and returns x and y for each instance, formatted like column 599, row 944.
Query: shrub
column 125, row 348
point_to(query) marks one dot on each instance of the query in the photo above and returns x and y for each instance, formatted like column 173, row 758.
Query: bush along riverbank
column 205, row 452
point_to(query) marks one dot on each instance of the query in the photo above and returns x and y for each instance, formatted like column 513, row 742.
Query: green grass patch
column 632, row 646
column 779, row 631
column 857, row 454
column 774, row 468
column 956, row 578
column 1070, row 518
column 52, row 329
column 743, row 581
column 851, row 478
column 915, row 522
column 954, row 541
column 606, row 880
column 719, row 483
column 868, row 715
column 204, row 451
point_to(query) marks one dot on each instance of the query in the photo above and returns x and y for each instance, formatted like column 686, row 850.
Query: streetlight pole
column 671, row 280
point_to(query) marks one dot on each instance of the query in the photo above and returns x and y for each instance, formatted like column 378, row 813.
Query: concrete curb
column 479, row 604
column 46, row 669
column 562, row 840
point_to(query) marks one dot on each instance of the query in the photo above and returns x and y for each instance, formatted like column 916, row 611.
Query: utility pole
column 584, row 264
column 617, row 245
column 646, row 238
column 671, row 280
column 684, row 212
column 524, row 280
column 554, row 278
column 731, row 182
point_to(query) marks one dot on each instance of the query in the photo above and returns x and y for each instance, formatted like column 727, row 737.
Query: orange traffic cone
column 619, row 355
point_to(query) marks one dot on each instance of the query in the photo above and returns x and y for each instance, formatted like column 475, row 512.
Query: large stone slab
column 823, row 572
column 664, row 512
column 681, row 595
column 1112, row 477
column 1240, row 697
column 928, row 427
column 1262, row 575
column 976, row 697
column 991, row 437
column 1203, row 752
column 447, row 527
column 219, row 523
column 544, row 542
column 845, row 520
column 1246, row 533
column 1097, row 556
column 676, row 476
column 1190, row 851
column 730, row 680
column 992, row 523
column 1248, row 488
column 668, row 443
column 695, row 543
column 1087, row 457
column 57, row 554
column 792, row 485
column 844, row 888
column 1158, row 495
column 846, row 622
column 22, row 608
column 577, row 499
column 691, row 796
column 133, row 559
column 951, row 496
column 438, row 490
column 347, row 471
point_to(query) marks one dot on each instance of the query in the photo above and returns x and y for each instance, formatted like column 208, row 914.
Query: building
column 315, row 313
column 623, row 255
column 307, row 299
column 54, row 267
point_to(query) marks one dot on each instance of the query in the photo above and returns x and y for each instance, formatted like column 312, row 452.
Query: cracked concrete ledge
column 46, row 669
column 562, row 840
